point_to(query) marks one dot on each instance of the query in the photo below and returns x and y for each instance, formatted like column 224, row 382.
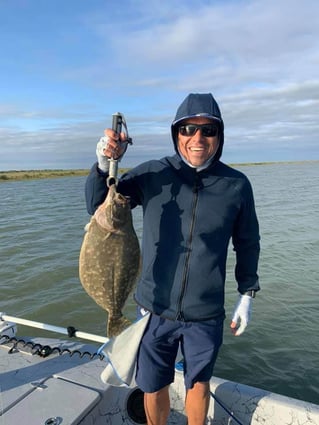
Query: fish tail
column 116, row 325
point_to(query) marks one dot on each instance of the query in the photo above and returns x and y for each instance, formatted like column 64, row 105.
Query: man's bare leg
column 197, row 403
column 157, row 406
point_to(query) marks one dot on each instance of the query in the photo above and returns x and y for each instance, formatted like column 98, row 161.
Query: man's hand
column 242, row 312
column 111, row 145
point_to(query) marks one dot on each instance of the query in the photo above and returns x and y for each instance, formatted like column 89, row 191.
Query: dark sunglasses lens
column 208, row 130
column 188, row 130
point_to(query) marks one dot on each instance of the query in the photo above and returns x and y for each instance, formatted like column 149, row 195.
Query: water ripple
column 41, row 230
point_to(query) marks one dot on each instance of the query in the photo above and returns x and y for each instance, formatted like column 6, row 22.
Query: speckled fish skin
column 110, row 258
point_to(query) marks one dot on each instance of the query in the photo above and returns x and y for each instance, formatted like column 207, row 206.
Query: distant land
column 46, row 174
column 39, row 174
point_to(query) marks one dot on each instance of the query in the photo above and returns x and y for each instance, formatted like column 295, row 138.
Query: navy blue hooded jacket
column 189, row 218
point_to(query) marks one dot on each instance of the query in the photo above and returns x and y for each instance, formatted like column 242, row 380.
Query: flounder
column 110, row 258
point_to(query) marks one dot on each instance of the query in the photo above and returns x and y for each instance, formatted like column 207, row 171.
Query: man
column 193, row 204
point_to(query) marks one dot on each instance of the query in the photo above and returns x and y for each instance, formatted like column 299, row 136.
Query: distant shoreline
column 39, row 174
column 46, row 174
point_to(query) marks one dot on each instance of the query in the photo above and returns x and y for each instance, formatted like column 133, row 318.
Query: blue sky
column 67, row 65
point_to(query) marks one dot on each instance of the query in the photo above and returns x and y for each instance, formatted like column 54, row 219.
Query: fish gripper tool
column 117, row 123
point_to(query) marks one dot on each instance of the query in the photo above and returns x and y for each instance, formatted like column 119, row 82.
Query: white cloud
column 259, row 58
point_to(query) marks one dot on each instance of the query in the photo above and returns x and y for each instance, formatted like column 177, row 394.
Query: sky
column 67, row 65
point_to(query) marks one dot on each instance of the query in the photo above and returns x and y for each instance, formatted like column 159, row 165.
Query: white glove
column 103, row 161
column 243, row 312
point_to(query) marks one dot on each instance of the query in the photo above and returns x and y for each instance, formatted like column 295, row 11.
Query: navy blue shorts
column 199, row 343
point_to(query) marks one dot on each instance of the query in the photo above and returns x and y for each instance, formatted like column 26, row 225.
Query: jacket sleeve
column 246, row 243
column 95, row 189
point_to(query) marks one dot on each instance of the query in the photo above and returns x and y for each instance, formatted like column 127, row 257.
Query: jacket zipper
column 180, row 315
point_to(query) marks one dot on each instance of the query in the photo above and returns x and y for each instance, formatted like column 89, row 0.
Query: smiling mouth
column 196, row 149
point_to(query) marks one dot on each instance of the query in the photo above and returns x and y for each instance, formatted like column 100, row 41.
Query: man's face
column 197, row 145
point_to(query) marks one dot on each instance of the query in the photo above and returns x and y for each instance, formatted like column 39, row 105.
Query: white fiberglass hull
column 65, row 388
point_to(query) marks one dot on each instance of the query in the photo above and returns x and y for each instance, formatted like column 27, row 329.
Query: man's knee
column 157, row 395
column 200, row 389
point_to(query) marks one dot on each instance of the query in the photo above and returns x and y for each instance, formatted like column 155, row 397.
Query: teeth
column 196, row 149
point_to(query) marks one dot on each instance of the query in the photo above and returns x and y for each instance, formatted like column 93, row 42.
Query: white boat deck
column 67, row 389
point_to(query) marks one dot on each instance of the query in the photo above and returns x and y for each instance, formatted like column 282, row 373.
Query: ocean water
column 41, row 231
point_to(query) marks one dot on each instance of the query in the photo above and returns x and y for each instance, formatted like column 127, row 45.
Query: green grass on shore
column 44, row 174
column 39, row 174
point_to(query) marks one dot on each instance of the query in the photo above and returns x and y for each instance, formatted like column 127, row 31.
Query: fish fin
column 87, row 226
column 116, row 325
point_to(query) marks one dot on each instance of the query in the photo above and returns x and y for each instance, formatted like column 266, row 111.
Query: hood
column 199, row 105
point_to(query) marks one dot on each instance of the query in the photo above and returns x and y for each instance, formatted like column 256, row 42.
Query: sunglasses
column 208, row 130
